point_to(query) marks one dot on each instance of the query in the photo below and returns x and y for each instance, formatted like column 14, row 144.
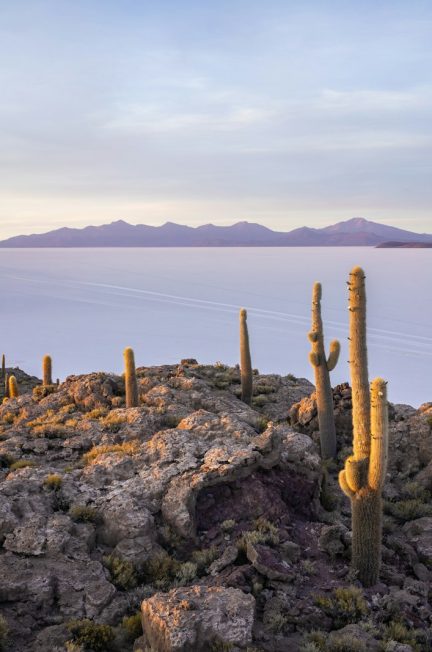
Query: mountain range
column 354, row 232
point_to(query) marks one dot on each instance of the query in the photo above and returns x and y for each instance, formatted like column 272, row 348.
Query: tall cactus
column 47, row 371
column 358, row 362
column 245, row 360
column 322, row 366
column 363, row 476
column 362, row 481
column 6, row 385
column 3, row 367
column 13, row 387
column 130, row 378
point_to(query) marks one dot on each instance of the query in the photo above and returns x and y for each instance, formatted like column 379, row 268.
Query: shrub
column 97, row 413
column 53, row 481
column 91, row 635
column 203, row 558
column 408, row 510
column 186, row 573
column 113, row 422
column 396, row 631
column 123, row 572
column 228, row 525
column 41, row 391
column 264, row 533
column 161, row 570
column 343, row 605
column 21, row 464
column 133, row 625
column 127, row 448
column 84, row 514
column 8, row 418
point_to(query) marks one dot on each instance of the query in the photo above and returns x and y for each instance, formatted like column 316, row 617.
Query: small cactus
column 322, row 366
column 47, row 371
column 130, row 378
column 245, row 360
column 13, row 387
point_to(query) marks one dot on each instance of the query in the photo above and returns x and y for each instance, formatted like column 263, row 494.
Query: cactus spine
column 47, row 371
column 13, row 387
column 363, row 477
column 245, row 360
column 130, row 378
column 322, row 366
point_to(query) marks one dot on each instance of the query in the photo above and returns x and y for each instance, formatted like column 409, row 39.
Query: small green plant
column 91, row 635
column 123, row 572
column 308, row 567
column 53, row 481
column 186, row 573
column 276, row 622
column 228, row 525
column 397, row 631
column 133, row 626
column 343, row 605
column 84, row 514
column 21, row 464
column 265, row 532
column 161, row 570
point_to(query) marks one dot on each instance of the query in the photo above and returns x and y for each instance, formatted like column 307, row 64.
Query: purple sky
column 285, row 113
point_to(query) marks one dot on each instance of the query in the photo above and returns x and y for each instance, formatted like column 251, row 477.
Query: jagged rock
column 269, row 563
column 333, row 539
column 228, row 557
column 197, row 618
column 419, row 533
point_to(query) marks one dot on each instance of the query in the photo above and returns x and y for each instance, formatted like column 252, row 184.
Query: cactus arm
column 245, row 360
column 379, row 434
column 358, row 363
column 333, row 357
column 356, row 473
column 314, row 359
column 344, row 485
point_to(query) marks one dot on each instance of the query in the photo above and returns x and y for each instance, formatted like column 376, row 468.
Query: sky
column 287, row 113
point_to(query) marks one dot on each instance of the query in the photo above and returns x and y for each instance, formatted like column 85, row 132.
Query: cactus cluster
column 322, row 366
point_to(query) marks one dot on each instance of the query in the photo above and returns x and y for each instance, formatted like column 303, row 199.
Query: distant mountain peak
column 357, row 231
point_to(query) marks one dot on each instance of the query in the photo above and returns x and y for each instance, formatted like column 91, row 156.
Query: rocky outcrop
column 217, row 516
column 198, row 618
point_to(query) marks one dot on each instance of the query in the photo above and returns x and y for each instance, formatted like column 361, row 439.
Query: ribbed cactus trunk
column 6, row 385
column 131, row 383
column 47, row 371
column 245, row 360
column 322, row 366
column 358, row 363
column 13, row 387
column 364, row 474
column 3, row 366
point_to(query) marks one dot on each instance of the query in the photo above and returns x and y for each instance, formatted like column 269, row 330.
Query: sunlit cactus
column 358, row 363
column 47, row 371
column 245, row 360
column 13, row 387
column 6, row 384
column 364, row 474
column 322, row 366
column 362, row 481
column 131, row 383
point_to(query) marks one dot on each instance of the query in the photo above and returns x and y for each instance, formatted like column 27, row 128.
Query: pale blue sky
column 283, row 112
